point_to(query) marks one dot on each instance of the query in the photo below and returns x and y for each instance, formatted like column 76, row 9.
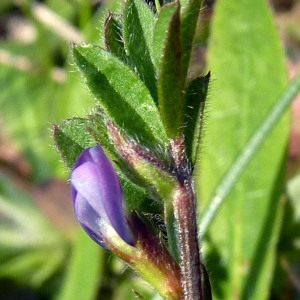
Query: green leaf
column 113, row 36
column 71, row 138
column 160, row 31
column 194, row 113
column 189, row 20
column 249, row 151
column 74, row 135
column 184, row 3
column 170, row 80
column 293, row 189
column 123, row 97
column 250, row 76
column 139, row 24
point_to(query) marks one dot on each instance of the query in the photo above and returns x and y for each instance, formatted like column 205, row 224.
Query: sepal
column 151, row 259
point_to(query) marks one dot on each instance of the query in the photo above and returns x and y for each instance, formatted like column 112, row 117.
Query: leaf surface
column 139, row 24
column 113, row 36
column 248, row 77
column 170, row 80
column 121, row 94
column 189, row 19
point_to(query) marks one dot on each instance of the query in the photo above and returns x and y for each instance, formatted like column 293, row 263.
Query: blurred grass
column 250, row 76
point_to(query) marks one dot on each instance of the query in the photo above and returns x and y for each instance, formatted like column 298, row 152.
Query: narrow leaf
column 189, row 19
column 170, row 80
column 194, row 113
column 161, row 28
column 114, row 37
column 121, row 94
column 139, row 23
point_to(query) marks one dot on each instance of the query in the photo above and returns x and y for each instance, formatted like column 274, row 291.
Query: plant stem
column 185, row 213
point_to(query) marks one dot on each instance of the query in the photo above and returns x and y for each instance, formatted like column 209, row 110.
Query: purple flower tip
column 97, row 197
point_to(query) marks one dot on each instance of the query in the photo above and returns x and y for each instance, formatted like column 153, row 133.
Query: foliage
column 254, row 230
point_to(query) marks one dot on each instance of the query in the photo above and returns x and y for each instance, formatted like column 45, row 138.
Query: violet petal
column 97, row 195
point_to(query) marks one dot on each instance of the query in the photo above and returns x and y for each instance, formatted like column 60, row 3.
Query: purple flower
column 98, row 198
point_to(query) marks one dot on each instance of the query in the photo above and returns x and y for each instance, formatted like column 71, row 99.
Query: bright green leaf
column 71, row 138
column 121, row 94
column 170, row 81
column 160, row 31
column 249, row 151
column 250, row 76
column 139, row 24
column 189, row 20
column 194, row 114
column 114, row 37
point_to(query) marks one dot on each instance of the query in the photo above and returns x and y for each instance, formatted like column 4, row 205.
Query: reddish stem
column 185, row 213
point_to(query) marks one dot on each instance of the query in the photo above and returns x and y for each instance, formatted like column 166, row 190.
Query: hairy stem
column 185, row 213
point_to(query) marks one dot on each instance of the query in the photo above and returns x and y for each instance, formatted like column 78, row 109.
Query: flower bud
column 98, row 205
column 98, row 198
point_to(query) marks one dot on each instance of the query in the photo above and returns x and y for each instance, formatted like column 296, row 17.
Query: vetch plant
column 135, row 157
column 148, row 124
